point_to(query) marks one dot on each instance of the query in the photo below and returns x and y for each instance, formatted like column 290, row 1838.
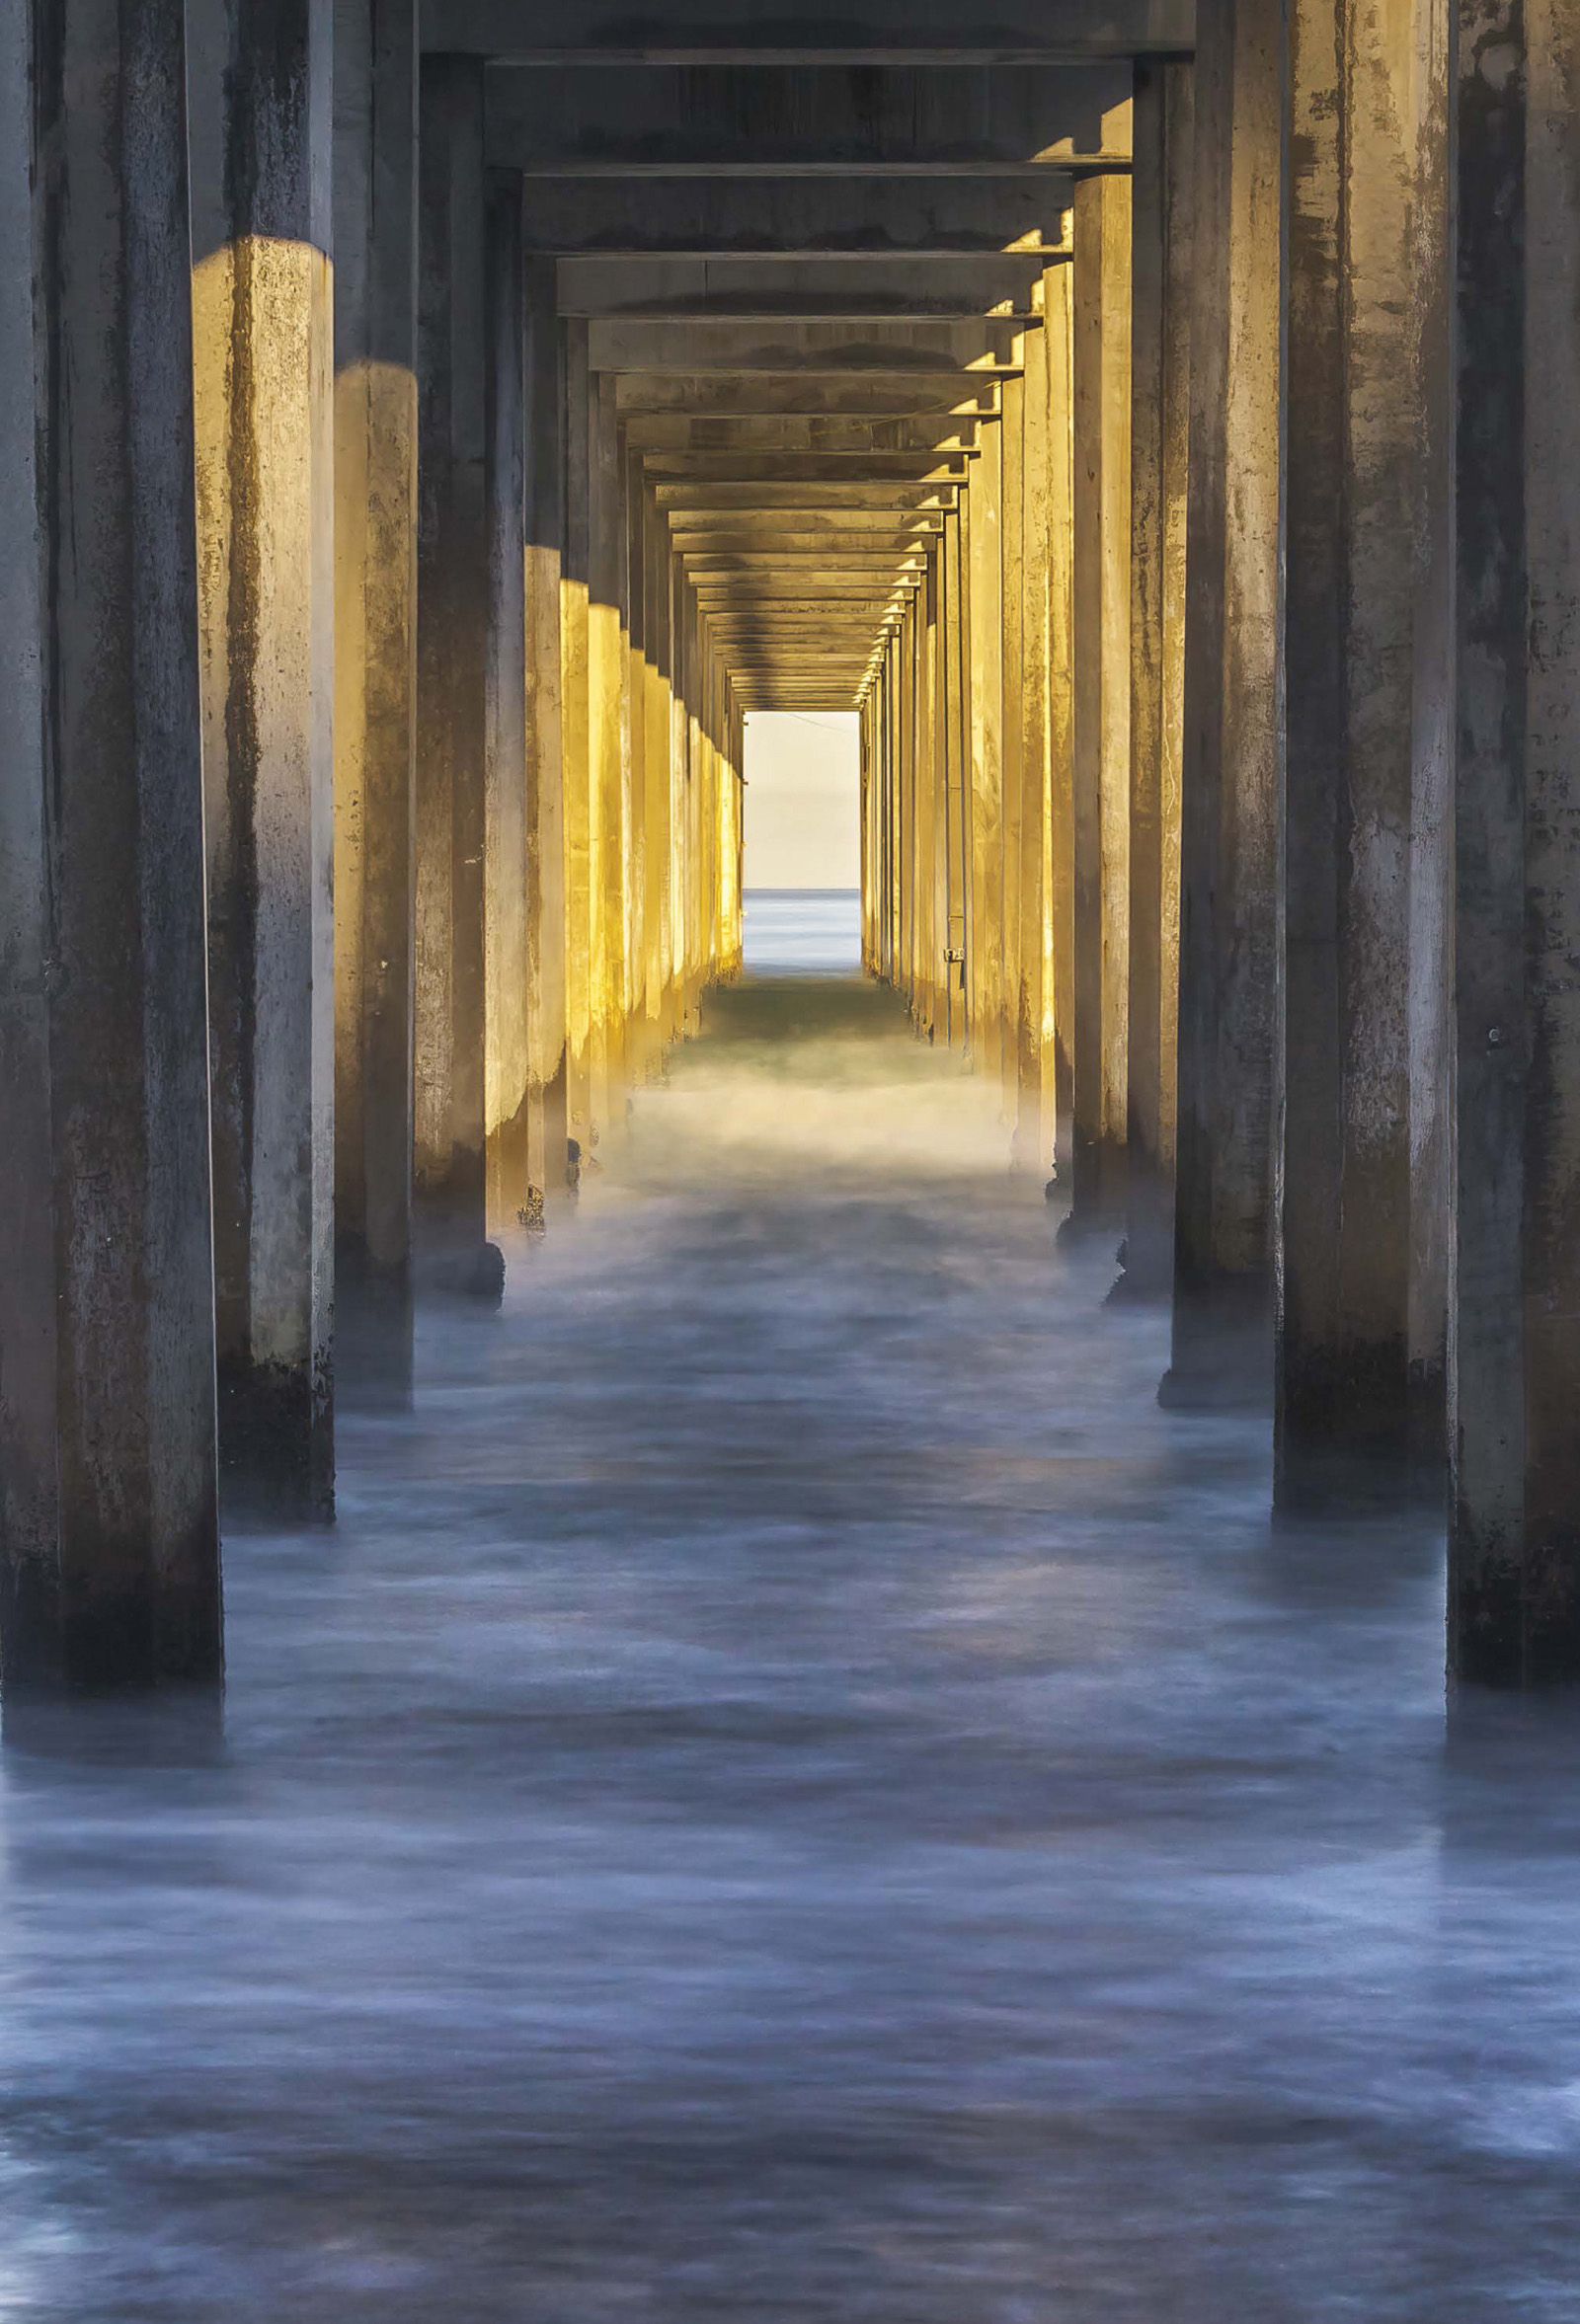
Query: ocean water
column 795, row 1793
column 802, row 931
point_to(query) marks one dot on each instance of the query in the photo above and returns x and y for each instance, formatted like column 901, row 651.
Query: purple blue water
column 793, row 1793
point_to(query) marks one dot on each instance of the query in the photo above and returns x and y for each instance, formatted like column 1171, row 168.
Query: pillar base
column 1223, row 1350
column 373, row 1332
column 277, row 1444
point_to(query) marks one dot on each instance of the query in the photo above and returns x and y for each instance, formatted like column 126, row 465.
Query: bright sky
column 802, row 818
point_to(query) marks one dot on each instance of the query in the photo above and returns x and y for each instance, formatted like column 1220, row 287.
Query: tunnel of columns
column 428, row 434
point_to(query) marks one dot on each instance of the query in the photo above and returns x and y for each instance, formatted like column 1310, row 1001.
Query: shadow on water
column 796, row 1792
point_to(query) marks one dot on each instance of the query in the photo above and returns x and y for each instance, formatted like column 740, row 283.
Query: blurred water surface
column 802, row 931
column 795, row 1792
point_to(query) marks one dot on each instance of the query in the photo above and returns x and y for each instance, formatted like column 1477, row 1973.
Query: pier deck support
column 109, row 1539
column 263, row 338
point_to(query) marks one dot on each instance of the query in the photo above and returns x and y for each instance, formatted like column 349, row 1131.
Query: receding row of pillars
column 1218, row 771
column 369, row 791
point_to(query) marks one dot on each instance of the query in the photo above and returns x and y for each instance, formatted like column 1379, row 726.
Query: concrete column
column 573, row 741
column 507, row 1075
column 1162, row 219
column 605, row 763
column 929, row 936
column 1354, row 482
column 957, row 854
column 1231, row 762
column 985, row 702
column 1057, row 287
column 1034, row 1126
column 109, row 1537
column 545, row 529
column 451, row 684
column 1012, row 564
column 657, row 777
column 375, row 682
column 1513, row 1541
column 1102, row 295
column 259, row 97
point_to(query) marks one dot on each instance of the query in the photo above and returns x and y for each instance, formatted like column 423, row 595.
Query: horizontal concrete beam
column 816, row 32
column 841, row 495
column 848, row 285
column 720, row 121
column 935, row 394
column 808, row 468
column 708, row 217
column 712, row 344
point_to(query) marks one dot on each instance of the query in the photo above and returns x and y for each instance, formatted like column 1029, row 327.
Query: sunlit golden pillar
column 1102, row 321
column 375, row 681
column 546, row 783
column 656, row 770
column 574, row 732
column 109, row 1537
column 1059, row 307
column 1012, row 566
column 984, row 685
column 1032, row 999
column 262, row 363
column 640, row 1050
column 929, row 966
column 605, row 761
column 1163, row 209
column 957, row 741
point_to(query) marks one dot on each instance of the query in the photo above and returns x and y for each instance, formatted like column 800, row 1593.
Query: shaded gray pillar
column 1360, row 298
column 375, row 685
column 1163, row 197
column 108, row 1540
column 545, row 532
column 1232, row 756
column 1101, row 701
column 507, row 982
column 1514, row 1543
column 259, row 75
column 452, row 683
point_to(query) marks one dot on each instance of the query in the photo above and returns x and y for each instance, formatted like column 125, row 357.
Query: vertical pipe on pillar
column 1231, row 754
column 109, row 1539
column 375, row 682
column 1354, row 481
column 506, row 986
column 546, row 783
column 259, row 101
column 1102, row 296
column 1514, row 1540
column 1162, row 201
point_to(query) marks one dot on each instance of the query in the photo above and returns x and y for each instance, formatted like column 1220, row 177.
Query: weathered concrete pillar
column 573, row 740
column 1012, row 566
column 1231, row 762
column 605, row 761
column 1354, row 482
column 375, row 685
column 1059, row 307
column 985, row 693
column 1513, row 1541
column 452, row 683
column 109, row 1539
column 1102, row 395
column 1163, row 212
column 263, row 350
column 545, row 532
column 657, row 777
column 507, row 1064
column 929, row 938
column 956, row 858
column 1034, row 1126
